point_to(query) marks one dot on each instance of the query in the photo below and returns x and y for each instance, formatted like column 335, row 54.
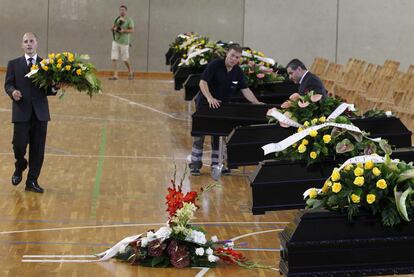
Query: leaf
column 385, row 147
column 158, row 261
column 344, row 146
column 400, row 201
column 314, row 203
column 409, row 174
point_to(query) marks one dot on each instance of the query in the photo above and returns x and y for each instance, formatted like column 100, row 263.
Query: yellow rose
column 369, row 164
column 313, row 193
column 382, row 184
column 359, row 181
column 300, row 129
column 327, row 138
column 376, row 171
column 79, row 71
column 358, row 171
column 313, row 133
column 313, row 155
column 305, row 142
column 348, row 167
column 301, row 148
column 336, row 187
column 314, row 121
column 326, row 186
column 355, row 198
column 361, row 165
column 370, row 198
column 68, row 67
column 322, row 119
column 306, row 124
column 335, row 175
column 59, row 66
column 45, row 68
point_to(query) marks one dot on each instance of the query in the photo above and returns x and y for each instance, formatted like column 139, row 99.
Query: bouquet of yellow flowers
column 68, row 69
column 376, row 184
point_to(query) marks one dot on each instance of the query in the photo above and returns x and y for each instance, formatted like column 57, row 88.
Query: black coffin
column 174, row 61
column 270, row 93
column 321, row 243
column 221, row 121
column 182, row 74
column 279, row 185
column 244, row 143
column 191, row 86
column 168, row 56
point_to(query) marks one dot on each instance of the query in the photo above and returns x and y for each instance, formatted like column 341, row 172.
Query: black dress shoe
column 33, row 186
column 17, row 176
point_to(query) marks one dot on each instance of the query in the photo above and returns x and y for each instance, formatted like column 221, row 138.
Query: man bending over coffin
column 219, row 82
column 307, row 81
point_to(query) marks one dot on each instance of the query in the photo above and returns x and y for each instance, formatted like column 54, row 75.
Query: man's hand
column 16, row 95
column 213, row 103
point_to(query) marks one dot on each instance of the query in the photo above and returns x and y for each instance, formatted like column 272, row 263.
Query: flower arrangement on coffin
column 180, row 42
column 321, row 140
column 180, row 244
column 68, row 69
column 258, row 69
column 304, row 108
column 200, row 54
column 381, row 186
column 375, row 113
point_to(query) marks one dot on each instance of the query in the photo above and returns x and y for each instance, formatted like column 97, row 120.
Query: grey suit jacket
column 34, row 99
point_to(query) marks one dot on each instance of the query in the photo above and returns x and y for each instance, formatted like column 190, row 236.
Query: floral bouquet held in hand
column 179, row 243
column 66, row 69
column 381, row 186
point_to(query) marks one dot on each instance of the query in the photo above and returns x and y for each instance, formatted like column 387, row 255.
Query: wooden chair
column 318, row 66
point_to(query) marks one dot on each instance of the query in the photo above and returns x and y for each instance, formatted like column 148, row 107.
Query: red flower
column 230, row 256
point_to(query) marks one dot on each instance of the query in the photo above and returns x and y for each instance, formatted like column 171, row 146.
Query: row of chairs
column 370, row 86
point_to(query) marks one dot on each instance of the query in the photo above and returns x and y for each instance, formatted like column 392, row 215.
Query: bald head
column 29, row 44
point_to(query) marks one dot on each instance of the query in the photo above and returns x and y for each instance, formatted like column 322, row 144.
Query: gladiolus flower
column 316, row 97
column 295, row 96
column 336, row 187
column 355, row 198
column 382, row 184
column 359, row 181
column 370, row 198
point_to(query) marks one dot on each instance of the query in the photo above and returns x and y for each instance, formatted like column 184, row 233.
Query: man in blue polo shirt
column 219, row 82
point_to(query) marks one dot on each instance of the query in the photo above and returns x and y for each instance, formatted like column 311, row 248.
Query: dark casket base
column 323, row 243
column 279, row 185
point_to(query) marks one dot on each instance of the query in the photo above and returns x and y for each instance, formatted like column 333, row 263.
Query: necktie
column 30, row 63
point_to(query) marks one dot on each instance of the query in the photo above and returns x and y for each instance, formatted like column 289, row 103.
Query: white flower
column 32, row 72
column 197, row 237
column 144, row 242
column 388, row 113
column 199, row 251
column 214, row 239
column 151, row 235
column 230, row 244
column 122, row 248
column 209, row 251
column 203, row 62
column 212, row 258
column 163, row 233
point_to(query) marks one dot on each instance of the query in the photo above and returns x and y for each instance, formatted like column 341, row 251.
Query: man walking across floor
column 30, row 114
column 122, row 29
column 221, row 79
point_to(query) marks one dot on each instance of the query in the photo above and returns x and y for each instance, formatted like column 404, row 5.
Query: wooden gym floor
column 107, row 168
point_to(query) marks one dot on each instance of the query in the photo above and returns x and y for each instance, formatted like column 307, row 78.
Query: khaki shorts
column 119, row 49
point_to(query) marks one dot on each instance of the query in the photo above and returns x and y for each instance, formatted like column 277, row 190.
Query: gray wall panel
column 16, row 18
column 215, row 18
column 288, row 29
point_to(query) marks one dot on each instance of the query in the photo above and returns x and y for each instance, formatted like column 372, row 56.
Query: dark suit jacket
column 312, row 82
column 33, row 98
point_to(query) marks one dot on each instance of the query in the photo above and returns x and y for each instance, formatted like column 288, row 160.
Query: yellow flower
column 335, row 175
column 71, row 58
column 45, row 67
column 322, row 119
column 51, row 61
column 314, row 121
column 34, row 67
column 79, row 71
column 358, row 171
column 60, row 61
column 348, row 167
column 326, row 186
column 327, row 138
column 300, row 129
column 51, row 56
column 355, row 198
column 370, row 198
column 313, row 133
column 369, row 164
column 306, row 124
column 57, row 55
column 43, row 62
column 313, row 193
column 361, row 165
column 59, row 66
column 359, row 181
column 382, row 184
column 68, row 67
column 376, row 171
column 305, row 142
column 336, row 187
column 313, row 155
column 294, row 145
column 301, row 148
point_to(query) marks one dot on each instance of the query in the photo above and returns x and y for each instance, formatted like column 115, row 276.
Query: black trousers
column 32, row 133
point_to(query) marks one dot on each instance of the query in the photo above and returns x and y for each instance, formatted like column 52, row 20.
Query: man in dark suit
column 30, row 114
column 307, row 81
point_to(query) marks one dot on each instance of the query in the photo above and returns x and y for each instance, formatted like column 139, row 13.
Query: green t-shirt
column 127, row 23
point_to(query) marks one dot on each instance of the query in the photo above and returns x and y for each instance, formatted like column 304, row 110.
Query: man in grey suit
column 307, row 81
column 30, row 114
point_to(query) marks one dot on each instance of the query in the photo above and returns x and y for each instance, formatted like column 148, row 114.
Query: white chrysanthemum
column 197, row 237
column 209, row 251
column 388, row 113
column 214, row 239
column 212, row 258
column 199, row 251
column 144, row 242
column 163, row 233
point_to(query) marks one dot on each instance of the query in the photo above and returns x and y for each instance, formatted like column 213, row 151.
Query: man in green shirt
column 121, row 30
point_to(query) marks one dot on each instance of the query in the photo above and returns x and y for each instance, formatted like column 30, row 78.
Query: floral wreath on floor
column 179, row 244
column 379, row 185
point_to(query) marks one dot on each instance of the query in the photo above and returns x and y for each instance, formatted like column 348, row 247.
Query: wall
column 373, row 30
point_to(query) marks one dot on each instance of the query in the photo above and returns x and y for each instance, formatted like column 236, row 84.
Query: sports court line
column 106, row 157
column 144, row 106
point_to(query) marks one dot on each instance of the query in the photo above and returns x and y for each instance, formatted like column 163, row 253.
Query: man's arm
column 248, row 94
column 212, row 102
column 10, row 83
